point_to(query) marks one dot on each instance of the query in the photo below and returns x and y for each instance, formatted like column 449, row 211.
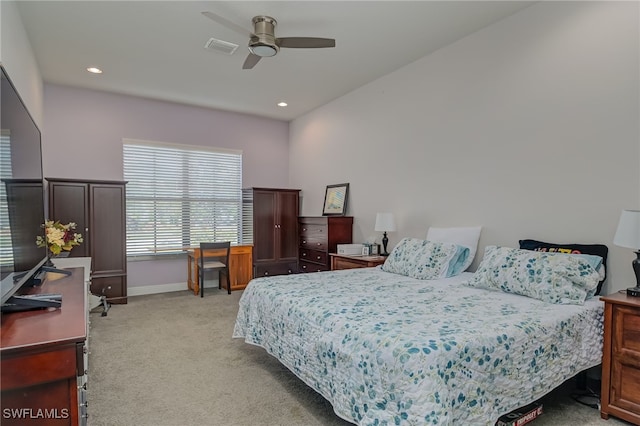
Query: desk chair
column 215, row 256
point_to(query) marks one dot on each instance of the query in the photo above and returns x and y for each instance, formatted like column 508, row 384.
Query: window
column 180, row 195
column 6, row 248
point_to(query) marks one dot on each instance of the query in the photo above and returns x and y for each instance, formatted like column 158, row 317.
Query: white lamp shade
column 385, row 222
column 628, row 233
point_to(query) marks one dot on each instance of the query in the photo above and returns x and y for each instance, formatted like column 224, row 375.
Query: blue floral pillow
column 426, row 260
column 552, row 278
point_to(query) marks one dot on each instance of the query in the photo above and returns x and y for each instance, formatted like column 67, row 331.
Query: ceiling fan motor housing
column 264, row 42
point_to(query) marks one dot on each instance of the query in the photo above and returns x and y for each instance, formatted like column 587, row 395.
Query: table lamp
column 628, row 235
column 385, row 223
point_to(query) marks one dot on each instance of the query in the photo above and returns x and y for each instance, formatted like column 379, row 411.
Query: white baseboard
column 163, row 288
column 154, row 289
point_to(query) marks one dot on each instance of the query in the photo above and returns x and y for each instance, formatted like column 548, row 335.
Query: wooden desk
column 240, row 268
column 343, row 261
column 42, row 357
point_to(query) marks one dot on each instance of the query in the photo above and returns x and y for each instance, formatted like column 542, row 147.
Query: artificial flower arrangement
column 59, row 237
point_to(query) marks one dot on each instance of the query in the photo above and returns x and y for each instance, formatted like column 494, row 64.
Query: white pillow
column 463, row 236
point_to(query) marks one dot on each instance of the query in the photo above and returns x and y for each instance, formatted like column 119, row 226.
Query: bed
column 385, row 348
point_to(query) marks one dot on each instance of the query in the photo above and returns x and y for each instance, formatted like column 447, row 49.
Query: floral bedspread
column 389, row 349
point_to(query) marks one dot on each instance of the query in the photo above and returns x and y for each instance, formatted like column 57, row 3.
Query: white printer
column 349, row 249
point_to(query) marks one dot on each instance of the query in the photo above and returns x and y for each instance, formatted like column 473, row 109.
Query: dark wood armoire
column 275, row 229
column 99, row 210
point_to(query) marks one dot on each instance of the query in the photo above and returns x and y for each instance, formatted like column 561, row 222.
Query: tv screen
column 22, row 208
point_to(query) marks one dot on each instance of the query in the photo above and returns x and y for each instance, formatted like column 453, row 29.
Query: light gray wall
column 529, row 127
column 84, row 136
column 16, row 55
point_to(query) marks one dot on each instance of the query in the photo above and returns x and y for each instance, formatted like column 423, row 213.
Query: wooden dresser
column 319, row 236
column 620, row 395
column 43, row 354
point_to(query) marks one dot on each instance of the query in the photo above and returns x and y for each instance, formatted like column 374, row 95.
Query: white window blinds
column 6, row 248
column 179, row 196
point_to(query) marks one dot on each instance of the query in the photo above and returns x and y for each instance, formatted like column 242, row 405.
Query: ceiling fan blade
column 251, row 61
column 305, row 42
column 227, row 23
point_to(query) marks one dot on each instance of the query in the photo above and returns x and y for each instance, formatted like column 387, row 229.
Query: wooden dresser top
column 622, row 299
column 43, row 327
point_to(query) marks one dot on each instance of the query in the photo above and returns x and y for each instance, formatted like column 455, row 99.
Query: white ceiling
column 155, row 49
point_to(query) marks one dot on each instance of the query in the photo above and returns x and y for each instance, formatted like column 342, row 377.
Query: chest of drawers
column 621, row 358
column 319, row 236
column 43, row 353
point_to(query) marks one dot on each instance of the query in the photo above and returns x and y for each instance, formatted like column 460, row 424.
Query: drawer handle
column 319, row 244
column 304, row 229
column 319, row 257
column 304, row 241
column 266, row 272
column 304, row 254
column 304, row 266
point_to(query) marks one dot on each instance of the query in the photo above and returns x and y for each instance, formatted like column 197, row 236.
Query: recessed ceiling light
column 94, row 70
column 282, row 104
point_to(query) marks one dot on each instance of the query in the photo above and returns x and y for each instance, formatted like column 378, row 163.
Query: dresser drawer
column 341, row 263
column 19, row 370
column 627, row 320
column 314, row 256
column 313, row 243
column 113, row 287
column 312, row 267
column 313, row 231
column 350, row 262
column 271, row 269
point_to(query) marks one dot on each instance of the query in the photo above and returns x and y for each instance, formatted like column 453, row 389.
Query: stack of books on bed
column 521, row 416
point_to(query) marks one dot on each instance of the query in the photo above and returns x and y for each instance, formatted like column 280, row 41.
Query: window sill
column 154, row 257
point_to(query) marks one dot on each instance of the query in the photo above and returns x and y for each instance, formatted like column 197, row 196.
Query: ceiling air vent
column 221, row 46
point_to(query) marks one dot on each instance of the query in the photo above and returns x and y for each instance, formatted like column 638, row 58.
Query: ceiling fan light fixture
column 263, row 42
column 263, row 50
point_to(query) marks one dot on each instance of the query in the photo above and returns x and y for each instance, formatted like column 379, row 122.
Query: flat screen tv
column 22, row 202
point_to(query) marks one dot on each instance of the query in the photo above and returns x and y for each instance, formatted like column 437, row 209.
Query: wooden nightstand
column 621, row 358
column 343, row 261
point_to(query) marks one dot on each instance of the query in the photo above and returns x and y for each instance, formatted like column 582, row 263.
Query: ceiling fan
column 263, row 42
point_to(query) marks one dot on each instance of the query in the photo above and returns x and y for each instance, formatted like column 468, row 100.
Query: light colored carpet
column 169, row 359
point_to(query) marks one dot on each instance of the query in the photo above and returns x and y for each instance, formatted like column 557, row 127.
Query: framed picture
column 335, row 200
